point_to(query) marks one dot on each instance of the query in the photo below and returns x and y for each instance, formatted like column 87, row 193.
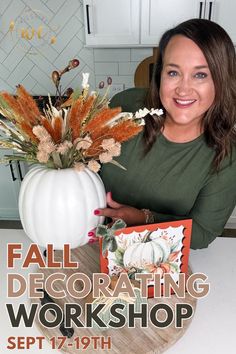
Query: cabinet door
column 111, row 22
column 223, row 12
column 9, row 189
column 160, row 15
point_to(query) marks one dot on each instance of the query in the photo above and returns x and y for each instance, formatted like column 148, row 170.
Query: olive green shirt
column 176, row 182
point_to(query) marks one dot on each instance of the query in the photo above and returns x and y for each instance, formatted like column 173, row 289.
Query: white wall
column 31, row 61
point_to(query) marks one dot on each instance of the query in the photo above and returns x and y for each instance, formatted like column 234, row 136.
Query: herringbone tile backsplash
column 39, row 36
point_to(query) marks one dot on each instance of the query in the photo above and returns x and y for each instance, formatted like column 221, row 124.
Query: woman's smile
column 183, row 103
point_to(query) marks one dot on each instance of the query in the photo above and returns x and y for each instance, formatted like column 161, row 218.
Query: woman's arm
column 210, row 212
column 131, row 216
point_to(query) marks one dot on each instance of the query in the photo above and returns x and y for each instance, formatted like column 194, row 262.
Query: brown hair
column 219, row 121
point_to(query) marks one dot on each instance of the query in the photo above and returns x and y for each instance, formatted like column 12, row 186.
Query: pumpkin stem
column 146, row 237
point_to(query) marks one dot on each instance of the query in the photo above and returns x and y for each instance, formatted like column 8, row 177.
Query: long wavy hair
column 220, row 119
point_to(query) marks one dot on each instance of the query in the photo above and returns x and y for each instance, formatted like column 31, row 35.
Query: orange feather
column 47, row 125
column 27, row 129
column 28, row 105
column 101, row 118
column 95, row 149
column 124, row 130
column 74, row 118
column 13, row 104
column 57, row 127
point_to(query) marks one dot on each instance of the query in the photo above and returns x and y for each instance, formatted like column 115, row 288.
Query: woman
column 184, row 163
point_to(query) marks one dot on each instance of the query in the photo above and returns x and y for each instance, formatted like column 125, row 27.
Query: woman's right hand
column 130, row 215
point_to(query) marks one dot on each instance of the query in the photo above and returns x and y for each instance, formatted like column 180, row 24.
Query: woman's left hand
column 130, row 215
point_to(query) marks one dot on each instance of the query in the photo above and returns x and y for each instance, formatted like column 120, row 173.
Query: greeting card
column 161, row 248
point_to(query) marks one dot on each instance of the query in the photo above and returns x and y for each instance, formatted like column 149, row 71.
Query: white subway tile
column 41, row 89
column 4, row 85
column 139, row 54
column 87, row 55
column 14, row 57
column 80, row 13
column 14, row 7
column 43, row 63
column 106, row 68
column 109, row 55
column 68, row 52
column 66, row 11
column 20, row 72
column 29, row 83
column 67, row 33
column 2, row 55
column 128, row 68
column 8, row 42
column 44, row 80
column 55, row 5
column 4, row 72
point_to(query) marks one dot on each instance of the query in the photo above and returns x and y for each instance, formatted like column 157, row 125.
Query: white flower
column 41, row 133
column 107, row 143
column 112, row 147
column 42, row 156
column 141, row 113
column 85, row 84
column 120, row 117
column 105, row 157
column 142, row 122
column 46, row 146
column 64, row 147
column 83, row 143
column 157, row 111
column 79, row 166
column 115, row 149
column 94, row 166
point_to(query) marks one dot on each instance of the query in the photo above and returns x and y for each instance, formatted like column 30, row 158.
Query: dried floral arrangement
column 86, row 133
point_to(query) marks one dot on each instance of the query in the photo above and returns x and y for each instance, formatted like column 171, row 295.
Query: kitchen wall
column 39, row 36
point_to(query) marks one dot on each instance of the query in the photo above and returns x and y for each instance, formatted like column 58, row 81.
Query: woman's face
column 187, row 90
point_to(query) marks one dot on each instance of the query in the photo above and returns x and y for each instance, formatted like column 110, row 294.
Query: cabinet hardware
column 12, row 171
column 19, row 169
column 87, row 15
column 210, row 10
column 200, row 9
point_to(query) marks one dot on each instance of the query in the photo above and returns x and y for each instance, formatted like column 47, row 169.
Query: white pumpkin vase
column 57, row 206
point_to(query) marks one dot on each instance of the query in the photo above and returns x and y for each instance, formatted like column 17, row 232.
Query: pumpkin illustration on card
column 161, row 249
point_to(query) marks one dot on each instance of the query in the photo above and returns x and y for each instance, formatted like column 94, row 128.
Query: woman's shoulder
column 230, row 159
column 130, row 100
column 227, row 171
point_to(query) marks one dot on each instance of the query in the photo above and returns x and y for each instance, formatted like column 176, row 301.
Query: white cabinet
column 111, row 23
column 223, row 12
column 140, row 23
column 11, row 175
column 160, row 15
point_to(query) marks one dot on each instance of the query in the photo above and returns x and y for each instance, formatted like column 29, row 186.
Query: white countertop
column 213, row 326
